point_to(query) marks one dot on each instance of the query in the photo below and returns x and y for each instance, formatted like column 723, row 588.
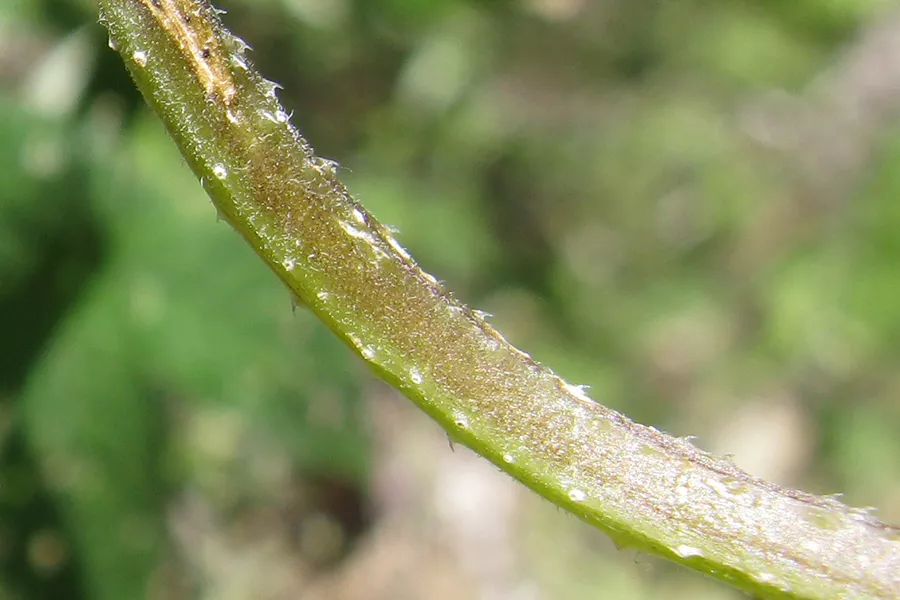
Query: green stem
column 641, row 486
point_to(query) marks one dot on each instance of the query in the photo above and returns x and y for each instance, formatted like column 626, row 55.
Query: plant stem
column 642, row 487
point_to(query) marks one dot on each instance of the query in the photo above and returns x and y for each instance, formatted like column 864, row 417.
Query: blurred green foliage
column 591, row 172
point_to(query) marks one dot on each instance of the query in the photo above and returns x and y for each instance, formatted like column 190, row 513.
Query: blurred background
column 690, row 206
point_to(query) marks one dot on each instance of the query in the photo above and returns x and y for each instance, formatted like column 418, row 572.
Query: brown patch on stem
column 200, row 45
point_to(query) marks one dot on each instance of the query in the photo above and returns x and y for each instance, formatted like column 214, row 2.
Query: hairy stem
column 641, row 486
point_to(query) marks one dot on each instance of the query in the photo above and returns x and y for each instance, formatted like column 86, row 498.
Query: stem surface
column 643, row 487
